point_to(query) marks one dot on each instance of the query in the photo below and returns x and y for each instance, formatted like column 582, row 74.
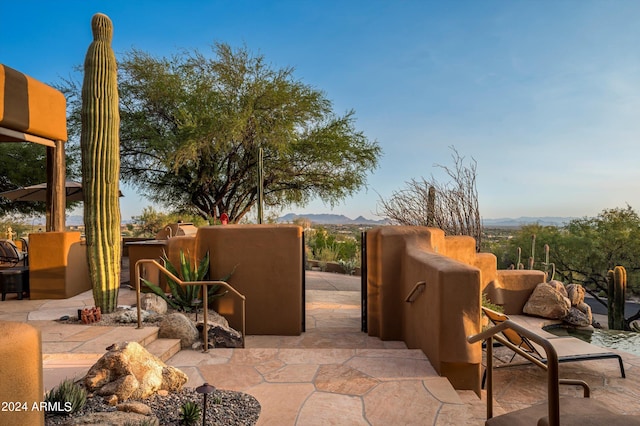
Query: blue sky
column 544, row 95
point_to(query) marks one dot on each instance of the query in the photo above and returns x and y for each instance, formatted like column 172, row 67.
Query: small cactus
column 431, row 206
column 549, row 275
column 617, row 285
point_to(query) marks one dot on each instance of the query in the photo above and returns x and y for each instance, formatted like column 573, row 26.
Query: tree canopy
column 22, row 164
column 191, row 127
column 585, row 249
column 25, row 164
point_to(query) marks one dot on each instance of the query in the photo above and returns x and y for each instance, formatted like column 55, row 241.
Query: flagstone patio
column 331, row 374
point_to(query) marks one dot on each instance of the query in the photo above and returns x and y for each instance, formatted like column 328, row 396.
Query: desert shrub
column 66, row 398
column 182, row 297
column 189, row 413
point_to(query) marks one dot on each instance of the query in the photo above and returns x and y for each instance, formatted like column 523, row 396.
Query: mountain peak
column 330, row 219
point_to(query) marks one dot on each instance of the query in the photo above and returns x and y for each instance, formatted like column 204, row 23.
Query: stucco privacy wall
column 268, row 270
column 448, row 308
column 20, row 376
column 57, row 265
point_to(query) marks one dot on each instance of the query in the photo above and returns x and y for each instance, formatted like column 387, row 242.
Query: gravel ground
column 223, row 408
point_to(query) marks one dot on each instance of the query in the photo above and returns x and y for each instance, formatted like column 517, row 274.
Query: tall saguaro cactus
column 616, row 297
column 100, row 148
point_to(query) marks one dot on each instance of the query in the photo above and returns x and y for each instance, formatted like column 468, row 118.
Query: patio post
column 56, row 192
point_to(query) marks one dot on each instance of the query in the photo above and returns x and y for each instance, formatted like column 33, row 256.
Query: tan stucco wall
column 268, row 271
column 439, row 319
column 27, row 105
column 448, row 310
column 20, row 374
column 512, row 289
column 58, row 266
column 385, row 249
column 150, row 249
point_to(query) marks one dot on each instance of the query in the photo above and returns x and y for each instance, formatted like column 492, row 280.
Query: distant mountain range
column 524, row 220
column 339, row 219
column 334, row 219
column 330, row 219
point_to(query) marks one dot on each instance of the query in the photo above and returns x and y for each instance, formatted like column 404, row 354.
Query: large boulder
column 130, row 315
column 215, row 318
column 547, row 301
column 559, row 287
column 220, row 335
column 128, row 370
column 575, row 292
column 178, row 326
column 578, row 318
column 153, row 302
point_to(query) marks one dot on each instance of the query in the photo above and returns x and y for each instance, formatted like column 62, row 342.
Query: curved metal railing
column 205, row 297
column 553, row 382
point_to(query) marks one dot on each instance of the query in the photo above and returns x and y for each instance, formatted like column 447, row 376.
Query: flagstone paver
column 331, row 374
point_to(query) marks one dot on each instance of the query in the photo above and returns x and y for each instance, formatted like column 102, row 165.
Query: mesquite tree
column 99, row 142
column 193, row 126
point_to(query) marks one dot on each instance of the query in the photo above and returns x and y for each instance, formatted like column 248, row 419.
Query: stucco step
column 164, row 348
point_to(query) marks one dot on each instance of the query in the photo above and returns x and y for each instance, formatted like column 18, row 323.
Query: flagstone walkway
column 331, row 374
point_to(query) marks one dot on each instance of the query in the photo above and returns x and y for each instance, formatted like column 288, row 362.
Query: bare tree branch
column 455, row 208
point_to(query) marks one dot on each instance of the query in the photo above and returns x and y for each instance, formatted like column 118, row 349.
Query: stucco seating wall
column 20, row 375
column 447, row 307
column 57, row 265
column 511, row 289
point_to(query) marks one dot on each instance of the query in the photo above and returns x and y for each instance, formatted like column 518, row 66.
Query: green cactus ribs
column 617, row 287
column 100, row 148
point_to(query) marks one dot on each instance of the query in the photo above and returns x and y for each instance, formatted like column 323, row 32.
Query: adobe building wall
column 447, row 310
column 58, row 266
column 20, row 374
column 267, row 265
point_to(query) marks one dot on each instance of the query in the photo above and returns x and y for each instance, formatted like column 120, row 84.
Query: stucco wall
column 20, row 374
column 448, row 308
column 58, row 266
column 511, row 289
column 268, row 268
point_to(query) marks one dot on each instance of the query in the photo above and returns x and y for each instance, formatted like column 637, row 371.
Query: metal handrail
column 205, row 296
column 413, row 294
column 553, row 382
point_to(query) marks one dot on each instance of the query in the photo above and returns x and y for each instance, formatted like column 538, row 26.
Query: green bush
column 490, row 305
column 325, row 246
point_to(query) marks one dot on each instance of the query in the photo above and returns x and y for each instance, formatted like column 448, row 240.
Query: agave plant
column 68, row 397
column 189, row 413
column 184, row 298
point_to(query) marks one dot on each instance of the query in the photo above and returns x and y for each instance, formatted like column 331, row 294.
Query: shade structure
column 31, row 111
column 39, row 192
